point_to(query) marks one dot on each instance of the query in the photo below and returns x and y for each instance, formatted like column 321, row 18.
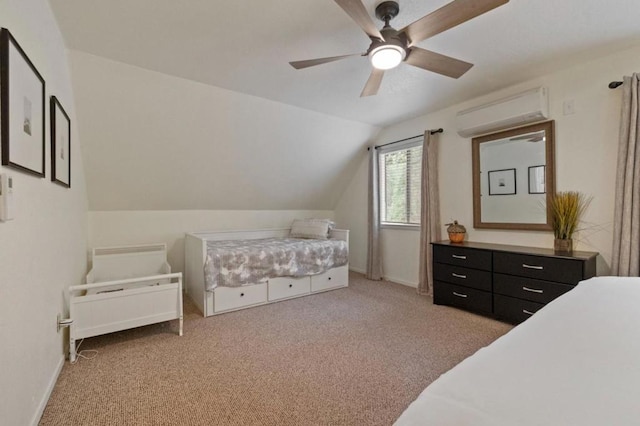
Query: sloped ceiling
column 245, row 46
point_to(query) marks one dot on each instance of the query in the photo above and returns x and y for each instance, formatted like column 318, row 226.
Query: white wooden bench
column 127, row 287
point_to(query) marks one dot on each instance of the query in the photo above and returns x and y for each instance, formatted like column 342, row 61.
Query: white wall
column 586, row 151
column 109, row 228
column 158, row 142
column 42, row 251
column 166, row 156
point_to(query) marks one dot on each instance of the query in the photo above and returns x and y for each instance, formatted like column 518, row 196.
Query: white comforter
column 576, row 362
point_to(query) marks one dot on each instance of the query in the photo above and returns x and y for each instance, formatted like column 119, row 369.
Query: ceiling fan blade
column 435, row 62
column 373, row 84
column 448, row 16
column 313, row 62
column 358, row 13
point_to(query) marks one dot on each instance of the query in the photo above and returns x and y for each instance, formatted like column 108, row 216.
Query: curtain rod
column 432, row 132
column 615, row 84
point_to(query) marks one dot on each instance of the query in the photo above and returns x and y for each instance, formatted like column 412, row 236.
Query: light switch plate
column 6, row 197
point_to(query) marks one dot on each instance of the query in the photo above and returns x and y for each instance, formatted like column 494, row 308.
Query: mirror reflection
column 513, row 177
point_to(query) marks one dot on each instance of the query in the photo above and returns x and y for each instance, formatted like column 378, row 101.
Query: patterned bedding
column 234, row 263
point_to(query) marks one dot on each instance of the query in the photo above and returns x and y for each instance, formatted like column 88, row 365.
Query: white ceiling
column 245, row 46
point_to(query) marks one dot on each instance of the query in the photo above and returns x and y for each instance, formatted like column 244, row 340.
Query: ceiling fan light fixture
column 387, row 56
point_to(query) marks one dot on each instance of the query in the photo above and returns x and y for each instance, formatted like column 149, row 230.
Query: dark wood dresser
column 508, row 282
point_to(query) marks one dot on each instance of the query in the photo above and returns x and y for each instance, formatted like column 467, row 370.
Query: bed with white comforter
column 575, row 362
column 234, row 263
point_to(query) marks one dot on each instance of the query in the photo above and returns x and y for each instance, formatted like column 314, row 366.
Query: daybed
column 223, row 291
column 575, row 362
column 127, row 287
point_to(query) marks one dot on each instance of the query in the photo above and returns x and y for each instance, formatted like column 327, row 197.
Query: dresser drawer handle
column 456, row 256
column 459, row 276
column 533, row 290
column 524, row 311
column 540, row 268
column 460, row 295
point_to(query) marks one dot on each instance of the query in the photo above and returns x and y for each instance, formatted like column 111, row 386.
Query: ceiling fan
column 389, row 47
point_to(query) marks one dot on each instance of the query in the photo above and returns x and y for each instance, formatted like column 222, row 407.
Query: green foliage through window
column 400, row 177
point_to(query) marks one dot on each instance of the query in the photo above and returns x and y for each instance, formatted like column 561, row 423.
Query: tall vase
column 563, row 246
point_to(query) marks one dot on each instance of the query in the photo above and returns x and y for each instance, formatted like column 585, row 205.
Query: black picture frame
column 537, row 178
column 502, row 182
column 60, row 144
column 22, row 109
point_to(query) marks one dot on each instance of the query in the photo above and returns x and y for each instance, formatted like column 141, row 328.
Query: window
column 400, row 182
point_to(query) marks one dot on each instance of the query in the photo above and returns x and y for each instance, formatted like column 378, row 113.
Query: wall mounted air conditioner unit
column 514, row 111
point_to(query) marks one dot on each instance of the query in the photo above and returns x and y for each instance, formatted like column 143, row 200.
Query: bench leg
column 72, row 350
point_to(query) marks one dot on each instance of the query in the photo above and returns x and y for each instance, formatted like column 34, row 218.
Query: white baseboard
column 358, row 270
column 52, row 383
column 401, row 281
column 386, row 278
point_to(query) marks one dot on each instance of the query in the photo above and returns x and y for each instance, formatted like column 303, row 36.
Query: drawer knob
column 464, row 277
column 329, row 278
column 290, row 285
column 464, row 296
column 457, row 256
column 241, row 294
column 533, row 290
column 524, row 311
column 539, row 268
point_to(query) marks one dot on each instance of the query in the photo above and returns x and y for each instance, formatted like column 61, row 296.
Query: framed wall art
column 60, row 144
column 502, row 182
column 536, row 180
column 22, row 106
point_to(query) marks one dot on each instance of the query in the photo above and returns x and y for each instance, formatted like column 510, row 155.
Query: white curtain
column 429, row 211
column 626, row 221
column 374, row 261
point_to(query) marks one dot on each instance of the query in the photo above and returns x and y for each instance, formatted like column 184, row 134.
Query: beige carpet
column 354, row 356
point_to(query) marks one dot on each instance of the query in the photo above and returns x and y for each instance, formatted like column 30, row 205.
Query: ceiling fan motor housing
column 387, row 10
column 392, row 39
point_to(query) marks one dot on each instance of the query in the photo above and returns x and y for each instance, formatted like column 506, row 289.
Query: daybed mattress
column 234, row 263
column 576, row 362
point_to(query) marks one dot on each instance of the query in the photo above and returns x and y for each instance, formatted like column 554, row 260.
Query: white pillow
column 311, row 228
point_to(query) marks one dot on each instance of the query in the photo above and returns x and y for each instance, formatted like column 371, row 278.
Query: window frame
column 400, row 146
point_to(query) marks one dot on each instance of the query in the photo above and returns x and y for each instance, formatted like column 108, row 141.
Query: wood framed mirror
column 514, row 178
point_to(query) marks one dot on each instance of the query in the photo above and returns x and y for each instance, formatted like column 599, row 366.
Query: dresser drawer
column 462, row 256
column 512, row 309
column 539, row 267
column 462, row 297
column 528, row 288
column 467, row 277
column 285, row 287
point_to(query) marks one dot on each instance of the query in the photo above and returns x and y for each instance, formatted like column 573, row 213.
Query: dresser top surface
column 536, row 251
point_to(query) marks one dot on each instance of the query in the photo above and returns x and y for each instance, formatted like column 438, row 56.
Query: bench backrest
column 116, row 263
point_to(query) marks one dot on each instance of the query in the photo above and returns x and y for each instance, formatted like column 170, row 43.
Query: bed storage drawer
column 284, row 287
column 227, row 298
column 335, row 277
